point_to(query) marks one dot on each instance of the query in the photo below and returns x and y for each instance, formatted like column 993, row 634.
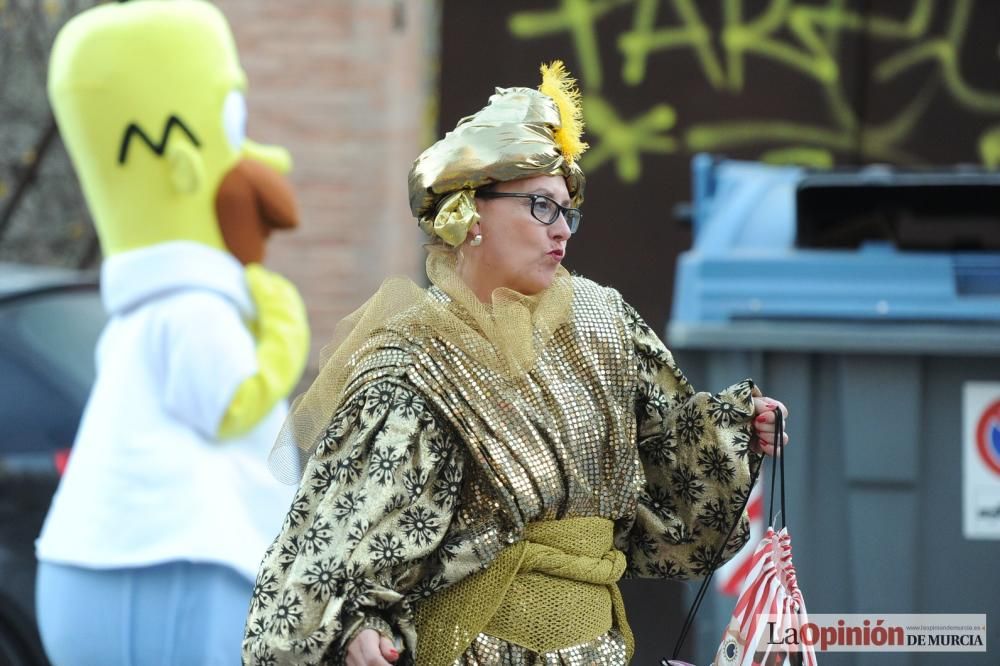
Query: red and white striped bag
column 770, row 604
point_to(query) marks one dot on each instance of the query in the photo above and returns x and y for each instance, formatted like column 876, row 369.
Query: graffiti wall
column 840, row 82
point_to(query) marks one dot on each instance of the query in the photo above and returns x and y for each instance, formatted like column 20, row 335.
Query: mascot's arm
column 282, row 350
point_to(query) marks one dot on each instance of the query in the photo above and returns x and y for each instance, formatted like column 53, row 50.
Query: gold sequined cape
column 435, row 462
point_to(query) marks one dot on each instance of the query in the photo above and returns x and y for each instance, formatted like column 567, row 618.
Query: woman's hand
column 763, row 424
column 369, row 648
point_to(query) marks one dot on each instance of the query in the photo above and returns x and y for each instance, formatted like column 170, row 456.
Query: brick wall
column 347, row 87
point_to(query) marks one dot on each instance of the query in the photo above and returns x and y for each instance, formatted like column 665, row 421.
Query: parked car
column 50, row 320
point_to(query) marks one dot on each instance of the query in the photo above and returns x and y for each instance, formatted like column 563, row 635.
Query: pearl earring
column 476, row 241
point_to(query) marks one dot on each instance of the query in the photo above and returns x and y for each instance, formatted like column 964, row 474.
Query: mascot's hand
column 282, row 350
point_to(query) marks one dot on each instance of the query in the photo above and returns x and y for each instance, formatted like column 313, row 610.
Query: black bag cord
column 777, row 461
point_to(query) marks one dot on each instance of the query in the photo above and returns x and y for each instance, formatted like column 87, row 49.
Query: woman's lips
column 557, row 254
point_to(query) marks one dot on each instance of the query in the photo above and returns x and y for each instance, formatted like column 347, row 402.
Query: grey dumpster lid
column 945, row 338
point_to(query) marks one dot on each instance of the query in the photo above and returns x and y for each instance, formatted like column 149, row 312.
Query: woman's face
column 517, row 251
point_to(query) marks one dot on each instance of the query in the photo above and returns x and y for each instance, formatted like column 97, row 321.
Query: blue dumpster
column 866, row 300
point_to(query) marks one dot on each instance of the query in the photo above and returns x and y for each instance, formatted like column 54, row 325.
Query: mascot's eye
column 234, row 118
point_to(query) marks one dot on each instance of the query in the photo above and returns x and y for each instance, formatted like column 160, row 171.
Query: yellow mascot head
column 149, row 98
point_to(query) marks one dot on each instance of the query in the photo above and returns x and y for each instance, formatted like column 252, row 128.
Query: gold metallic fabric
column 439, row 453
column 520, row 133
column 511, row 138
column 506, row 335
column 486, row 650
column 455, row 216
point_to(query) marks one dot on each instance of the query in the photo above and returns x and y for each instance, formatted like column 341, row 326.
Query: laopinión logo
column 875, row 633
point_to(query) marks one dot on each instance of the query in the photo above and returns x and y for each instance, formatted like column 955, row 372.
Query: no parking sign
column 981, row 460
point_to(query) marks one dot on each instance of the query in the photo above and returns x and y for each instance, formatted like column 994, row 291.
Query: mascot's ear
column 187, row 171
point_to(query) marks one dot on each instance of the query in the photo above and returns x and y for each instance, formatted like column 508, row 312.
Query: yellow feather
column 561, row 87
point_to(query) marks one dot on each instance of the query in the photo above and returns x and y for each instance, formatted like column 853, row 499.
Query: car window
column 47, row 346
column 36, row 415
column 62, row 328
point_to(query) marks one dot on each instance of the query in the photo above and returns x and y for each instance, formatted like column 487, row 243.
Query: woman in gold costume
column 486, row 457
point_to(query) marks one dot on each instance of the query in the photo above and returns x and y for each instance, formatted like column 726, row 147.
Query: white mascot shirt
column 147, row 481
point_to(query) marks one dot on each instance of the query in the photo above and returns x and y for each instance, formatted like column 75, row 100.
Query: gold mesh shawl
column 506, row 335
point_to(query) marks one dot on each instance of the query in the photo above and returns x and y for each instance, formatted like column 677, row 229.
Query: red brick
column 347, row 93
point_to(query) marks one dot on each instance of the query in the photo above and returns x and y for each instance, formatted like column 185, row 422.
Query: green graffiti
column 880, row 141
column 642, row 40
column 624, row 141
column 817, row 158
column 578, row 17
column 946, row 51
column 800, row 37
column 736, row 133
column 989, row 147
column 877, row 142
column 813, row 55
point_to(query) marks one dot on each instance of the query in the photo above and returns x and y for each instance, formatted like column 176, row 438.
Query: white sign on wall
column 981, row 460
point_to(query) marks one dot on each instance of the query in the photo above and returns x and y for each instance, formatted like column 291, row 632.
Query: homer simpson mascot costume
column 150, row 549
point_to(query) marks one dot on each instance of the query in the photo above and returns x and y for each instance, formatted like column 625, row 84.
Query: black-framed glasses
column 543, row 208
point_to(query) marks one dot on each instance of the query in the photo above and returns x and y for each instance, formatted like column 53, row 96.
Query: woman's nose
column 560, row 228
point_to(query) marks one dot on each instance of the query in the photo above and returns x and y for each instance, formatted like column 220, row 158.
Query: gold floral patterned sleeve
column 695, row 465
column 364, row 534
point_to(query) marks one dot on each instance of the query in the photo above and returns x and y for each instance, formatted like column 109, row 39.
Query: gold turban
column 519, row 134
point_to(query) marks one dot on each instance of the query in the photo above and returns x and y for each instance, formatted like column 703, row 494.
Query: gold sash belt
column 554, row 589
